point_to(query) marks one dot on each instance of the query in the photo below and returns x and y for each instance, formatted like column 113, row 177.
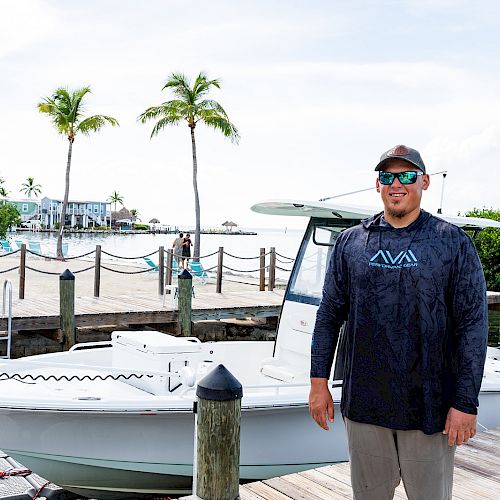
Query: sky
column 317, row 89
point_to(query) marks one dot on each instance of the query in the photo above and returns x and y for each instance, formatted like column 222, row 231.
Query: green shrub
column 9, row 216
column 488, row 247
column 141, row 227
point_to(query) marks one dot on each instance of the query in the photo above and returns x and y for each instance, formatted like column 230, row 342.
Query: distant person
column 411, row 290
column 186, row 250
column 177, row 246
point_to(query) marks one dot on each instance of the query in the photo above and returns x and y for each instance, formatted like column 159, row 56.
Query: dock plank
column 43, row 312
column 476, row 475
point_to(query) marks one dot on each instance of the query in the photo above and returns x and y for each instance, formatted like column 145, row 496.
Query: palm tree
column 29, row 187
column 135, row 214
column 65, row 109
column 3, row 191
column 115, row 197
column 190, row 105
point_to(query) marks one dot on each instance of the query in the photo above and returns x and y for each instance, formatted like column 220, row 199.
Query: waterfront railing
column 169, row 265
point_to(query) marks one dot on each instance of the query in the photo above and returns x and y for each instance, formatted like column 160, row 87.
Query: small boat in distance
column 114, row 419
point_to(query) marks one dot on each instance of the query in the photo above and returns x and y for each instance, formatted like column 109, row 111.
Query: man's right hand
column 321, row 402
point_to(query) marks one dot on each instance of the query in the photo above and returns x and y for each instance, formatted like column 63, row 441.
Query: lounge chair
column 65, row 249
column 35, row 247
column 19, row 244
column 6, row 246
column 151, row 264
column 198, row 272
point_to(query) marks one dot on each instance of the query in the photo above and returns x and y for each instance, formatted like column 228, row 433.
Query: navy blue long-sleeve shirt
column 414, row 299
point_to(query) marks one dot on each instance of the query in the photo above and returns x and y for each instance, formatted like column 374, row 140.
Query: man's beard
column 397, row 213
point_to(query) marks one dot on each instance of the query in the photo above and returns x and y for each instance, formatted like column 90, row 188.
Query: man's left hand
column 459, row 426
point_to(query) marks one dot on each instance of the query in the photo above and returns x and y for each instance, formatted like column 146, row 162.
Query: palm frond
column 162, row 123
column 174, row 107
column 95, row 123
column 180, row 85
column 219, row 122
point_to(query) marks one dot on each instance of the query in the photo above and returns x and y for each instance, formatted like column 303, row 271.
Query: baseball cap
column 404, row 153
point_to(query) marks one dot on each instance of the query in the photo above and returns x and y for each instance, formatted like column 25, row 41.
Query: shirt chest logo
column 385, row 259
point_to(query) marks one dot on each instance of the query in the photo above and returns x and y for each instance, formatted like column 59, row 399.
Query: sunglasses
column 387, row 178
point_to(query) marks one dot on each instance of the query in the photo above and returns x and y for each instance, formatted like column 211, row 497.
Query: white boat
column 115, row 420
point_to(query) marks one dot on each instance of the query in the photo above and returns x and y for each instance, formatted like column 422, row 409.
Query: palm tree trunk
column 65, row 203
column 196, row 249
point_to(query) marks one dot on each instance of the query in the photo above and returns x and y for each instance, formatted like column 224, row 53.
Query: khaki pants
column 381, row 457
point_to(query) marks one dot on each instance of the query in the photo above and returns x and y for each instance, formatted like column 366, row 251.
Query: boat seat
column 275, row 368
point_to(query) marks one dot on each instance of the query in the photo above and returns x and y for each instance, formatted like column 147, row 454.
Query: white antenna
column 439, row 210
column 444, row 172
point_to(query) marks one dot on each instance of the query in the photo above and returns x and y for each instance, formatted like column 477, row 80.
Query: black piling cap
column 219, row 385
column 67, row 275
column 185, row 275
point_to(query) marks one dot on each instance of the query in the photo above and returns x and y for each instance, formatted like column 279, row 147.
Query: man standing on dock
column 412, row 292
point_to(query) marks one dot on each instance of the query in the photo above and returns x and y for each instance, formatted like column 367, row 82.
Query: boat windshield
column 306, row 281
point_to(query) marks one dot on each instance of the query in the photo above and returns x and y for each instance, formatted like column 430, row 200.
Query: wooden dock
column 476, row 477
column 43, row 313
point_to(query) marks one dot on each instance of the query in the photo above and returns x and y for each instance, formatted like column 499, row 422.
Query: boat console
column 177, row 357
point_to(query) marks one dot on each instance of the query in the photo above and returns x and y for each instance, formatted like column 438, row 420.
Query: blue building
column 85, row 214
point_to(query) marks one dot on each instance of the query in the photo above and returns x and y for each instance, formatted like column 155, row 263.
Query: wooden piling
column 22, row 271
column 170, row 261
column 218, row 286
column 161, row 270
column 262, row 270
column 185, row 284
column 97, row 271
column 67, row 308
column 272, row 270
column 216, row 475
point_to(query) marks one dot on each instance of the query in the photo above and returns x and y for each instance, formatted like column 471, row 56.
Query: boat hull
column 121, row 455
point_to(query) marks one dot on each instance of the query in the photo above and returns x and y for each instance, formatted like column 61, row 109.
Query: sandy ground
column 112, row 283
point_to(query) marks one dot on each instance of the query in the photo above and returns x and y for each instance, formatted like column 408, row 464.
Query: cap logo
column 398, row 151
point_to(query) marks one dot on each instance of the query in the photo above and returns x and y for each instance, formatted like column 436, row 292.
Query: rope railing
column 128, row 258
column 245, row 270
column 245, row 258
column 9, row 270
column 142, row 271
column 269, row 264
column 284, row 256
column 6, row 254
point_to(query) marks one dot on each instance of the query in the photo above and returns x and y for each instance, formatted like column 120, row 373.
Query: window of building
column 96, row 209
column 25, row 207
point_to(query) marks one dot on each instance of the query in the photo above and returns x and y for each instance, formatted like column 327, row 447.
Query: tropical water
column 286, row 242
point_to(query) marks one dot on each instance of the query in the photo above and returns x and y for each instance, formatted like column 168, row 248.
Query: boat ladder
column 7, row 289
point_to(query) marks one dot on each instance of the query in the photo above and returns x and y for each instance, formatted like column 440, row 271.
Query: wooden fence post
column 272, row 270
column 67, row 308
column 161, row 270
column 22, row 271
column 218, row 287
column 262, row 270
column 185, row 284
column 97, row 271
column 168, row 277
column 217, row 469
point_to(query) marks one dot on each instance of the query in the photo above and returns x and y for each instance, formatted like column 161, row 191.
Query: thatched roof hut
column 229, row 224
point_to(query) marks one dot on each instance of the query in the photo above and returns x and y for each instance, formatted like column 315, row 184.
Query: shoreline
column 133, row 231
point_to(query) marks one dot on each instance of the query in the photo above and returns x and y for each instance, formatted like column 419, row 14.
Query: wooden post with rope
column 218, row 286
column 161, row 270
column 22, row 271
column 262, row 270
column 272, row 270
column 97, row 271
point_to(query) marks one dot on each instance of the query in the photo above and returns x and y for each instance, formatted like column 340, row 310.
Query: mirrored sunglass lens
column 386, row 178
column 407, row 177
